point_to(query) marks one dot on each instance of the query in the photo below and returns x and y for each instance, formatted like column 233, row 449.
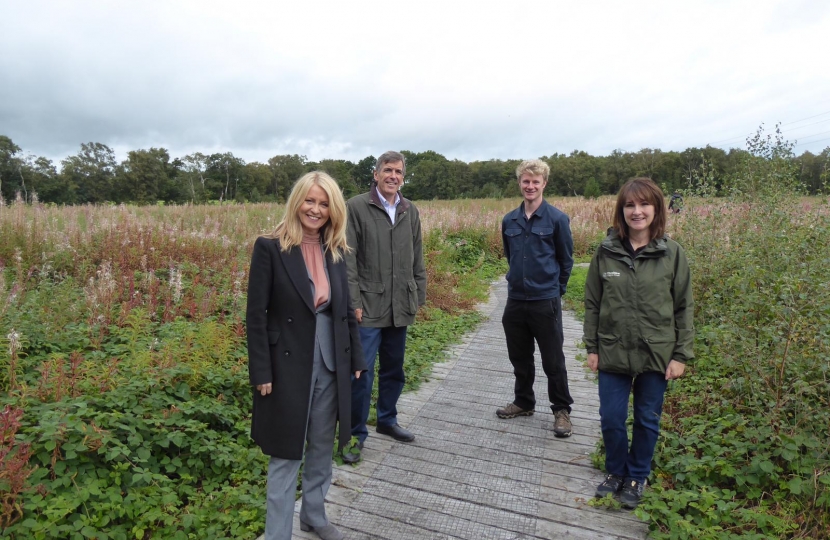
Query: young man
column 539, row 250
column 387, row 285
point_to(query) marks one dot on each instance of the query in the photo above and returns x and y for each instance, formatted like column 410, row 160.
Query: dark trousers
column 539, row 320
column 390, row 345
column 632, row 461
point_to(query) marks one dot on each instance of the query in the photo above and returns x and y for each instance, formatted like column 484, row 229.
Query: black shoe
column 352, row 455
column 612, row 484
column 631, row 493
column 396, row 432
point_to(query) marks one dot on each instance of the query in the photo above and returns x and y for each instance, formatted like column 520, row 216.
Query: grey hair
column 390, row 157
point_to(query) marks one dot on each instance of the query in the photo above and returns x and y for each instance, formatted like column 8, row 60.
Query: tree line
column 149, row 176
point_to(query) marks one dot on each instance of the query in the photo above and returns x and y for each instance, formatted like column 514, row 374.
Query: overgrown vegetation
column 746, row 435
column 125, row 409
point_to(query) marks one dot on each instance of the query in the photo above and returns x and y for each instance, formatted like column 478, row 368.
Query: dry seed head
column 176, row 283
column 237, row 286
column 15, row 288
column 14, row 342
column 99, row 289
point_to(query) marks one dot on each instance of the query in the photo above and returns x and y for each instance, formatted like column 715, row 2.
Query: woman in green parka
column 638, row 331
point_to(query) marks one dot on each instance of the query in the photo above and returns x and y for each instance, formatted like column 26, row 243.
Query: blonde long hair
column 289, row 231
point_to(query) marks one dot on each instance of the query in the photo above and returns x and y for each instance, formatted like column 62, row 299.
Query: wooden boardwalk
column 471, row 475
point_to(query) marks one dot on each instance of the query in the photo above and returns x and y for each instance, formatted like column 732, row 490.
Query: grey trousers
column 282, row 473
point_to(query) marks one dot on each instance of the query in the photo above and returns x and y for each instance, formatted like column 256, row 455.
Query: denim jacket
column 539, row 251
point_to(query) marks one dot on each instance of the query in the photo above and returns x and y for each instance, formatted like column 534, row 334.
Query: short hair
column 641, row 189
column 390, row 157
column 533, row 166
column 289, row 231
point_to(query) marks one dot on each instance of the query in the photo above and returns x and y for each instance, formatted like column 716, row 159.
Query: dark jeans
column 614, row 388
column 390, row 345
column 539, row 320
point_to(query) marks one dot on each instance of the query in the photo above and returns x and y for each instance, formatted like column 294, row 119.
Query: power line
column 727, row 140
column 812, row 142
column 808, row 118
column 808, row 125
column 813, row 135
column 739, row 137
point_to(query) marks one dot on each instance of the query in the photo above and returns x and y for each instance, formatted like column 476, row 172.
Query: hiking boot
column 631, row 493
column 511, row 410
column 612, row 484
column 562, row 423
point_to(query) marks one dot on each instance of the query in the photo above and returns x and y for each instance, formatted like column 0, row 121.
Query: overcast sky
column 471, row 80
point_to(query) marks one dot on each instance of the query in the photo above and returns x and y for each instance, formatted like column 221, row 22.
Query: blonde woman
column 303, row 347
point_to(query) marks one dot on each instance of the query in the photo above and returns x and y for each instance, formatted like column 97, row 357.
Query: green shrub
column 125, row 404
column 745, row 441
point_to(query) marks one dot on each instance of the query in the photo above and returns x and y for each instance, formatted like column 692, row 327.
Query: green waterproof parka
column 639, row 313
column 387, row 278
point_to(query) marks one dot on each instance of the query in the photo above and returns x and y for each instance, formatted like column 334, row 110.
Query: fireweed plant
column 124, row 410
column 124, row 396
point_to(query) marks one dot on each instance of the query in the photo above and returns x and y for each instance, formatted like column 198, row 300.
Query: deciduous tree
column 91, row 173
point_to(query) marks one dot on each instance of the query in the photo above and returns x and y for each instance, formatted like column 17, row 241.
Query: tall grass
column 123, row 361
column 125, row 404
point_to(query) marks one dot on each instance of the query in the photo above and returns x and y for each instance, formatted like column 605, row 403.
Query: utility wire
column 808, row 118
column 808, row 125
column 812, row 142
column 727, row 140
column 813, row 135
column 780, row 125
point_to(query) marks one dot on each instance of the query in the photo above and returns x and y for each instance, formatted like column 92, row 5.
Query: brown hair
column 641, row 189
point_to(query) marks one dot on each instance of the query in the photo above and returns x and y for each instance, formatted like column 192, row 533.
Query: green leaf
column 143, row 454
column 795, row 485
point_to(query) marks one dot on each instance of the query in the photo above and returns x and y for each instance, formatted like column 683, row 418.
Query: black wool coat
column 281, row 325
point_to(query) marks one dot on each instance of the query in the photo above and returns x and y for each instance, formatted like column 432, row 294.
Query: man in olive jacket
column 387, row 285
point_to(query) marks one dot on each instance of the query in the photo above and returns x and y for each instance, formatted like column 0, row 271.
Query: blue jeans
column 632, row 461
column 390, row 345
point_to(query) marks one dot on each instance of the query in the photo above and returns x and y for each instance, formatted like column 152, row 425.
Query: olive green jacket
column 639, row 314
column 387, row 279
